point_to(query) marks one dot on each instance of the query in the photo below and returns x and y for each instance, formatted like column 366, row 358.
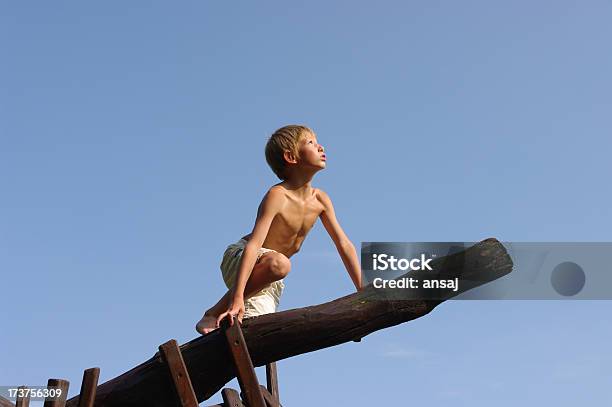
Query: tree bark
column 280, row 335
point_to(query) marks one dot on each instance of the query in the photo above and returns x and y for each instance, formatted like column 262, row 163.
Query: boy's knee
column 279, row 266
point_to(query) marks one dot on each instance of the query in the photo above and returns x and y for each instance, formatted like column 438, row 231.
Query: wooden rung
column 171, row 354
column 87, row 396
column 57, row 401
column 23, row 401
column 244, row 366
column 231, row 398
column 272, row 380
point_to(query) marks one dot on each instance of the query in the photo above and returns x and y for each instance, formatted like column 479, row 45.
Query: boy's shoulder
column 275, row 196
column 324, row 200
column 276, row 192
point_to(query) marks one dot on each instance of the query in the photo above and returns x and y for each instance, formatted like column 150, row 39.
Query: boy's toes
column 206, row 325
column 202, row 329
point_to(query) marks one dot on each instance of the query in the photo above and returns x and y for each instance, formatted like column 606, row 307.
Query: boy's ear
column 290, row 157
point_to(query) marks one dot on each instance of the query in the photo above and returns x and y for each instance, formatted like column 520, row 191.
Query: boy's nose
column 321, row 148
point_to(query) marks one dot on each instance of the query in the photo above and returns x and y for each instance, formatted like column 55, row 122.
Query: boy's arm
column 343, row 244
column 269, row 207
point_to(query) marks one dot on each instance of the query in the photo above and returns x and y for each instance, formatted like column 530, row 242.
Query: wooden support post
column 61, row 400
column 88, row 387
column 272, row 380
column 23, row 401
column 171, row 354
column 242, row 361
column 231, row 398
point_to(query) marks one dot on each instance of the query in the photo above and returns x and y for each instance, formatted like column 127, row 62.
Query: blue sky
column 132, row 139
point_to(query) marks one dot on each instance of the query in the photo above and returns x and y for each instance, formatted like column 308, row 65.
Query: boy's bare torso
column 291, row 225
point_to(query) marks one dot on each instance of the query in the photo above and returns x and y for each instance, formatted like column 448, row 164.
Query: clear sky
column 131, row 154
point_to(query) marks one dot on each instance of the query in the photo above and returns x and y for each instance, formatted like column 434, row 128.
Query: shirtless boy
column 253, row 268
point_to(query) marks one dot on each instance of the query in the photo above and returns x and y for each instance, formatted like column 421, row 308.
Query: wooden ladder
column 86, row 397
column 252, row 394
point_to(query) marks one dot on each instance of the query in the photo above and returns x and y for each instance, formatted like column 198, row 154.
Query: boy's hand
column 235, row 310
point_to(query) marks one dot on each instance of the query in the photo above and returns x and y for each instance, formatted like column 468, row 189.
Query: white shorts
column 262, row 302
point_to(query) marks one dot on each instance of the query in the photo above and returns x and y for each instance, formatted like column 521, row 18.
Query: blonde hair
column 286, row 138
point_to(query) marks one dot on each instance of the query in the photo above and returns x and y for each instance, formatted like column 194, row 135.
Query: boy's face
column 311, row 152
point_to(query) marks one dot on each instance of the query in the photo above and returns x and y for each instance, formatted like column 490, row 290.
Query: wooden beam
column 272, row 380
column 5, row 402
column 280, row 335
column 87, row 396
column 23, row 401
column 268, row 398
column 247, row 378
column 231, row 398
column 61, row 400
column 171, row 355
column 271, row 401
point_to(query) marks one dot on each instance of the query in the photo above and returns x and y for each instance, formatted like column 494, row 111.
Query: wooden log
column 280, row 335
column 87, row 396
column 171, row 354
column 231, row 398
column 23, row 401
column 244, row 366
column 272, row 380
column 61, row 400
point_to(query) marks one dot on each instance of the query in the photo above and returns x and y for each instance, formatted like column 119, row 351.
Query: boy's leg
column 272, row 266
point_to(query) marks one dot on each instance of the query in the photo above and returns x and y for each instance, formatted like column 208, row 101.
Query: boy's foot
column 207, row 324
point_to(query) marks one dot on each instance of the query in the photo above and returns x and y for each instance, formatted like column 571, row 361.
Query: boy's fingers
column 220, row 318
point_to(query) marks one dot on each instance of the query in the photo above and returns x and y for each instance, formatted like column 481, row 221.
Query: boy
column 253, row 268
